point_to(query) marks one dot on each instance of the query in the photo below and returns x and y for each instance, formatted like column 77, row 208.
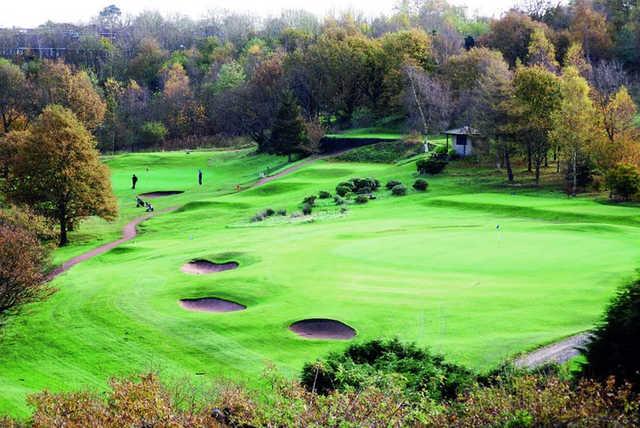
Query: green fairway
column 469, row 268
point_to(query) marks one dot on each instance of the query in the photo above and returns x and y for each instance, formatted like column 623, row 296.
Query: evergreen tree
column 288, row 134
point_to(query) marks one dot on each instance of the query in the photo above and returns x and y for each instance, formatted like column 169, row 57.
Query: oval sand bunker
column 160, row 194
column 320, row 328
column 203, row 267
column 211, row 304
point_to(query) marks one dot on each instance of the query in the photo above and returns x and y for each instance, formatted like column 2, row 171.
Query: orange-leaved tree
column 57, row 172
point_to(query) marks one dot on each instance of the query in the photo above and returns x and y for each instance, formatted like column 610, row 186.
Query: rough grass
column 431, row 267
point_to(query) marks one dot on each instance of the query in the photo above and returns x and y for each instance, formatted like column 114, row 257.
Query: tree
column 619, row 141
column 57, row 172
column 151, row 134
column 23, row 261
column 615, row 349
column 13, row 94
column 575, row 58
column 537, row 97
column 427, row 100
column 288, row 134
column 230, row 76
column 57, row 83
column 590, row 29
column 145, row 66
column 541, row 51
column 573, row 122
column 623, row 181
column 492, row 109
column 511, row 35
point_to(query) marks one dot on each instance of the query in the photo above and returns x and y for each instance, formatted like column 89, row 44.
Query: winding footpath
column 558, row 352
column 129, row 232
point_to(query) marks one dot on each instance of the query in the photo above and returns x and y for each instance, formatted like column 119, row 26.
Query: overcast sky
column 30, row 13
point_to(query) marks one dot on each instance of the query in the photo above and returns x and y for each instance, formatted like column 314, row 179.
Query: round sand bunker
column 211, row 304
column 320, row 328
column 204, row 267
column 160, row 194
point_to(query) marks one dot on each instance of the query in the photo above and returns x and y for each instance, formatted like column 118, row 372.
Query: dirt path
column 128, row 233
column 559, row 352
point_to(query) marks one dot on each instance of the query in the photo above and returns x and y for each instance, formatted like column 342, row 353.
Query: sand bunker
column 319, row 328
column 160, row 194
column 211, row 304
column 203, row 267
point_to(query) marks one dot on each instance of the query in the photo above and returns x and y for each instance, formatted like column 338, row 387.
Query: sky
column 30, row 13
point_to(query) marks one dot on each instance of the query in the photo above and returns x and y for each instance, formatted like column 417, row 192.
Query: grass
column 428, row 267
column 374, row 133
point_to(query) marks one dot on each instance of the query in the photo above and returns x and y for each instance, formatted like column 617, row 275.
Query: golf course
column 471, row 268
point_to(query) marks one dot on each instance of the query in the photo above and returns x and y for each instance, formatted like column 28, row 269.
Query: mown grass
column 471, row 268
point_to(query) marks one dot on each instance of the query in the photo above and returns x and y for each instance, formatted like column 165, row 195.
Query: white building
column 463, row 139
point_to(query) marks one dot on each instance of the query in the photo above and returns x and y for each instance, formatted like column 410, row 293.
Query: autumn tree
column 589, row 28
column 146, row 65
column 492, row 110
column 427, row 99
column 511, row 35
column 575, row 57
column 23, row 261
column 13, row 94
column 573, row 122
column 541, row 51
column 537, row 97
column 288, row 135
column 57, row 83
column 57, row 172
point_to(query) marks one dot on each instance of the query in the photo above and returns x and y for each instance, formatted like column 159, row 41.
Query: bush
column 380, row 361
column 310, row 200
column 420, row 185
column 399, row 190
column 152, row 134
column 615, row 348
column 306, row 209
column 431, row 165
column 624, row 181
column 338, row 200
column 282, row 212
column 584, row 174
column 362, row 199
column 343, row 191
column 453, row 155
column 323, row 194
column 364, row 185
column 258, row 217
column 392, row 183
column 269, row 212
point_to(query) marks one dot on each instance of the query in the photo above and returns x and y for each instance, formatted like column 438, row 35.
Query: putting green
column 469, row 269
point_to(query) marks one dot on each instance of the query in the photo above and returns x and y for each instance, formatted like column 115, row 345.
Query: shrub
column 22, row 264
column 364, row 185
column 306, row 209
column 420, row 185
column 584, row 174
column 282, row 212
column 615, row 348
column 399, row 190
column 380, row 361
column 338, row 200
column 362, row 199
column 323, row 194
column 269, row 212
column 258, row 217
column 624, row 181
column 343, row 191
column 310, row 200
column 392, row 183
column 151, row 134
column 453, row 155
column 431, row 165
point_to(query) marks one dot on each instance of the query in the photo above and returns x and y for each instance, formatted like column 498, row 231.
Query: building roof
column 465, row 130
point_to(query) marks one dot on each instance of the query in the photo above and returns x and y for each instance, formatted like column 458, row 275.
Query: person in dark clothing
column 200, row 177
column 134, row 180
column 139, row 202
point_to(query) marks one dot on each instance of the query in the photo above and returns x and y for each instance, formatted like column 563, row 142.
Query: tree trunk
column 529, row 169
column 63, row 232
column 538, row 164
column 507, row 163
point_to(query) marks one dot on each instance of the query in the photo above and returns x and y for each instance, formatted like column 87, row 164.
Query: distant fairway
column 431, row 267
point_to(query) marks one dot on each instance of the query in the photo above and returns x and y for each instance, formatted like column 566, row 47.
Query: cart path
column 129, row 232
column 558, row 352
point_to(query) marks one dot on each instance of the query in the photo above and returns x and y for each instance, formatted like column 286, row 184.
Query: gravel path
column 559, row 352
